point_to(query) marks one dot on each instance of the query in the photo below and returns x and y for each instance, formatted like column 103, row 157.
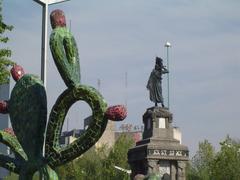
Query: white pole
column 168, row 45
column 126, row 89
column 44, row 4
column 44, row 44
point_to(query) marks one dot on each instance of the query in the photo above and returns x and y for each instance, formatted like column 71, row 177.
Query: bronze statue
column 154, row 84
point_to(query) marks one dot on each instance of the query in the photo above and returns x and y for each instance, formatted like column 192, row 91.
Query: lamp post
column 45, row 4
column 168, row 45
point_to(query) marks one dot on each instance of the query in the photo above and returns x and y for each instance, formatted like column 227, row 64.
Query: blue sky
column 115, row 37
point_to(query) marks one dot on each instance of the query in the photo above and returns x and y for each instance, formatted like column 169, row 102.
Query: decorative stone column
column 181, row 168
column 173, row 170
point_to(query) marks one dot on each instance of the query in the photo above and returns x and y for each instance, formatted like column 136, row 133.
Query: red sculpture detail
column 3, row 107
column 116, row 113
column 57, row 19
column 17, row 72
column 9, row 131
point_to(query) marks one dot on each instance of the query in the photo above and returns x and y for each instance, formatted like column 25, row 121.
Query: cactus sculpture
column 27, row 108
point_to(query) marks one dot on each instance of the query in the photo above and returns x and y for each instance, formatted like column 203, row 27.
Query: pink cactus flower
column 3, row 107
column 9, row 131
column 17, row 72
column 116, row 113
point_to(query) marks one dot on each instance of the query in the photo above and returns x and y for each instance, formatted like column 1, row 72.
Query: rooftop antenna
column 126, row 87
column 99, row 84
column 67, row 124
column 70, row 25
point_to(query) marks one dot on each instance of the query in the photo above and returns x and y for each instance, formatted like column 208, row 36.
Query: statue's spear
column 168, row 45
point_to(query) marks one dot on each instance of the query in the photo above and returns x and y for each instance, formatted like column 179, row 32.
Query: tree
column 200, row 167
column 99, row 163
column 226, row 164
column 118, row 157
column 223, row 165
column 90, row 165
column 4, row 53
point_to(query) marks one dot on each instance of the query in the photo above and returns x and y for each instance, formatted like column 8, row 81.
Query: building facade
column 4, row 123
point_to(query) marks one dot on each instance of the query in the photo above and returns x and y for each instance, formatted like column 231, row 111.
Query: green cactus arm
column 47, row 173
column 54, row 153
column 12, row 142
column 28, row 113
column 71, row 51
column 10, row 163
column 65, row 54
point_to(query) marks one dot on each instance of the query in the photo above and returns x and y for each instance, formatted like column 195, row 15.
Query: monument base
column 160, row 152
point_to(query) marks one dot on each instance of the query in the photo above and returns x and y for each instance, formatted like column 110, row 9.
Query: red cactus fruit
column 9, row 131
column 57, row 19
column 3, row 107
column 17, row 72
column 116, row 113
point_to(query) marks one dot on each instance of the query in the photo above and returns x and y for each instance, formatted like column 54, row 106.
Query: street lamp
column 44, row 4
column 168, row 45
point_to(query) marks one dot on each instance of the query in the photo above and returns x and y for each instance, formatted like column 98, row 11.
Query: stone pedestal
column 158, row 152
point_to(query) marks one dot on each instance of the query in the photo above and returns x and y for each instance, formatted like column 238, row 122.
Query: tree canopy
column 99, row 163
column 208, row 164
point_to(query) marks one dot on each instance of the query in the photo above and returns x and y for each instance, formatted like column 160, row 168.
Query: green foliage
column 118, row 157
column 201, row 162
column 11, row 176
column 4, row 53
column 99, row 163
column 226, row 165
column 209, row 165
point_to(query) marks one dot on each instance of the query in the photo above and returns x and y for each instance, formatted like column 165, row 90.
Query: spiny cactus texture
column 27, row 108
column 64, row 49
